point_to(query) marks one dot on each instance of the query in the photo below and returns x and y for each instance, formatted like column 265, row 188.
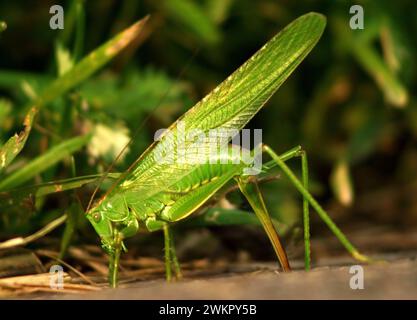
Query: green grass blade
column 16, row 143
column 11, row 79
column 80, row 72
column 69, row 184
column 23, row 195
column 193, row 18
column 41, row 163
column 90, row 64
column 391, row 86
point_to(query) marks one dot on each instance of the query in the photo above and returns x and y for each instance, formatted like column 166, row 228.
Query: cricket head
column 103, row 226
column 112, row 217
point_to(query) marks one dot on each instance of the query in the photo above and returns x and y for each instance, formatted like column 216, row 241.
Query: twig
column 20, row 241
column 79, row 273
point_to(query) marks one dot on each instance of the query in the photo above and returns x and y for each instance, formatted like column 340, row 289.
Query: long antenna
column 136, row 132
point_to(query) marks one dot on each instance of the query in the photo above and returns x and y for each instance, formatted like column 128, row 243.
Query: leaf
column 15, row 144
column 5, row 115
column 11, row 79
column 91, row 63
column 71, row 183
column 3, row 26
column 230, row 217
column 137, row 95
column 41, row 163
column 22, row 196
column 393, row 89
column 63, row 58
column 341, row 183
column 218, row 10
column 84, row 69
column 223, row 217
column 194, row 18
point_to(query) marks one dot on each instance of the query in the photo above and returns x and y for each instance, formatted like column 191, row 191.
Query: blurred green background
column 351, row 104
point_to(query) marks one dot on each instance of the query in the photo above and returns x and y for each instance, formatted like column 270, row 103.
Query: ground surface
column 392, row 280
column 396, row 278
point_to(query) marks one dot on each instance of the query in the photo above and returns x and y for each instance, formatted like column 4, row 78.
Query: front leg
column 114, row 251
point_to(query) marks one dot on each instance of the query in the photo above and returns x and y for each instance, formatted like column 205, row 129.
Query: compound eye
column 97, row 216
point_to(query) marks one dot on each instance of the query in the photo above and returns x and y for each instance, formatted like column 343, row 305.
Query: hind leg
column 310, row 200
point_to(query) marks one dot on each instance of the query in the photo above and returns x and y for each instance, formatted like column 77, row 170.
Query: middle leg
column 171, row 260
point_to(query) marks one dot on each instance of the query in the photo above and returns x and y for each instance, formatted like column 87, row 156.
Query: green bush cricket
column 152, row 194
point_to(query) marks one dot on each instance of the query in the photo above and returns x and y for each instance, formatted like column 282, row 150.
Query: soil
column 393, row 276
